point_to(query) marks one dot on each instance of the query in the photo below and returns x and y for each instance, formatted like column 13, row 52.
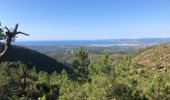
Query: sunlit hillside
column 154, row 57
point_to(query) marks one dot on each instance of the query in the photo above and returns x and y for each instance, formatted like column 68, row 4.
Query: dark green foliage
column 103, row 64
column 159, row 88
column 33, row 58
column 94, row 79
column 80, row 65
column 17, row 82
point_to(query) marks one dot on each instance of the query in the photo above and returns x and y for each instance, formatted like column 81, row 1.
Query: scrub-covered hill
column 157, row 56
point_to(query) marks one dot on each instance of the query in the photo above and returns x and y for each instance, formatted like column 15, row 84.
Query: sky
column 87, row 19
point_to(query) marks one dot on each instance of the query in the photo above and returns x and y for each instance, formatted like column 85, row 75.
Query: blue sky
column 87, row 19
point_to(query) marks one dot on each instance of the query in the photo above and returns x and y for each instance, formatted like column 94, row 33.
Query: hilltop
column 153, row 57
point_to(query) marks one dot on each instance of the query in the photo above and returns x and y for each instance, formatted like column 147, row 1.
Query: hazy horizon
column 95, row 39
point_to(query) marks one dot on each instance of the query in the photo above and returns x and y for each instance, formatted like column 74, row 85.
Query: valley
column 63, row 51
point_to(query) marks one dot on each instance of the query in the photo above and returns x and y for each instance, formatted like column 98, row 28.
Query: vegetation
column 80, row 65
column 33, row 58
column 90, row 79
column 153, row 57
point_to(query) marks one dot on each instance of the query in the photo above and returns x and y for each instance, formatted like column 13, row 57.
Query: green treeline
column 92, row 78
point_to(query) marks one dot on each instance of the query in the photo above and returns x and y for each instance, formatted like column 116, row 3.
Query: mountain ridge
column 33, row 58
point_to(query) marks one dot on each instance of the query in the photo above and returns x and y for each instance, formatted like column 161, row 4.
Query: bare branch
column 9, row 37
column 15, row 29
column 7, row 29
column 21, row 33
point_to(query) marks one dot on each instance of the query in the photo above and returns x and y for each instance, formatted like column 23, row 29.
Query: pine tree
column 80, row 65
column 159, row 87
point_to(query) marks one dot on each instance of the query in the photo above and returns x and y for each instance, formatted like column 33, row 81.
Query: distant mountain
column 33, row 58
column 153, row 57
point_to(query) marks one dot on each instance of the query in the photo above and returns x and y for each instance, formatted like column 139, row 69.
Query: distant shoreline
column 103, row 43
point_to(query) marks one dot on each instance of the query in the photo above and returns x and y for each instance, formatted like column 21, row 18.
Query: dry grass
column 154, row 57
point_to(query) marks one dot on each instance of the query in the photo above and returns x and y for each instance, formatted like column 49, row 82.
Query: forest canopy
column 90, row 79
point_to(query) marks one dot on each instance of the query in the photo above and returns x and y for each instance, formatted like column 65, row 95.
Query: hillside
column 33, row 58
column 153, row 57
column 117, row 81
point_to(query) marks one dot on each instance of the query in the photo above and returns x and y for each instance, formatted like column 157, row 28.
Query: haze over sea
column 113, row 42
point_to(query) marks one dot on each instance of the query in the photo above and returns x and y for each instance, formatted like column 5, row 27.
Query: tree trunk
column 9, row 35
column 7, row 47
